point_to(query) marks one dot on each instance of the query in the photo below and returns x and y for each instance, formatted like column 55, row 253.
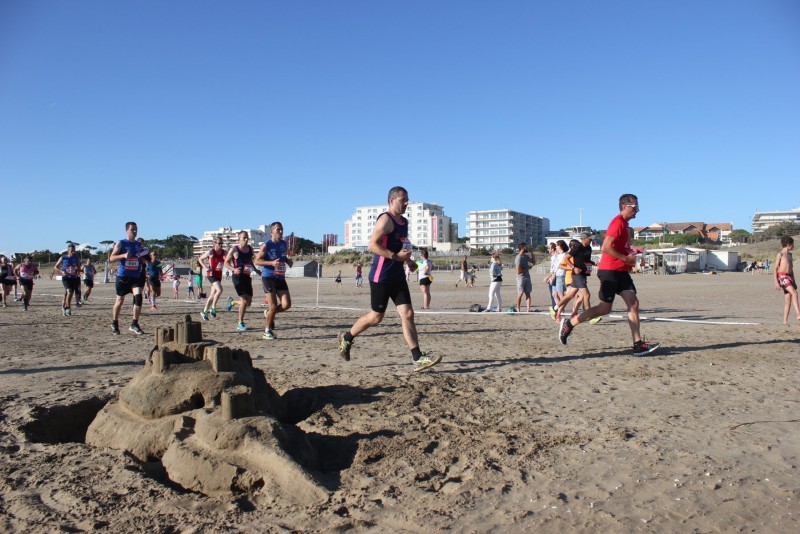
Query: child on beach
column 784, row 277
column 175, row 285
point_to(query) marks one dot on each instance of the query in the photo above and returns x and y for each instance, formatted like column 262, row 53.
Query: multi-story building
column 231, row 237
column 504, row 228
column 428, row 226
column 764, row 219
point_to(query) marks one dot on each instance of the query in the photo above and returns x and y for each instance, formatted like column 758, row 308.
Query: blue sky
column 190, row 115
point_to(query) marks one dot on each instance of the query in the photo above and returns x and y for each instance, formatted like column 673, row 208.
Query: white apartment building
column 231, row 237
column 428, row 226
column 764, row 219
column 504, row 228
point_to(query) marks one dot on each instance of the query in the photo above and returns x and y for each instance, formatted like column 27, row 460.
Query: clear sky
column 190, row 115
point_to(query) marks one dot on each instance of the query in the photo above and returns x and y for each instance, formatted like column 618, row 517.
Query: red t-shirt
column 618, row 230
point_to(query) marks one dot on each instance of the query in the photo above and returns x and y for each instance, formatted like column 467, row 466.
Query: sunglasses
column 634, row 206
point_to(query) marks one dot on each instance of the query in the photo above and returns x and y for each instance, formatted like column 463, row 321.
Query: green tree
column 740, row 236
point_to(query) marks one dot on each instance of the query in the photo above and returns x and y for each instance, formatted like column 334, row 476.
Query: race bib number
column 247, row 269
column 26, row 276
column 407, row 244
column 71, row 270
column 131, row 265
column 589, row 268
column 280, row 268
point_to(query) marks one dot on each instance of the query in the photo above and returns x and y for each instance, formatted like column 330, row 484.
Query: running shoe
column 269, row 334
column 344, row 347
column 135, row 329
column 553, row 313
column 213, row 312
column 85, row 300
column 425, row 361
column 564, row 330
column 229, row 304
column 25, row 306
column 640, row 348
column 153, row 308
column 68, row 311
column 115, row 328
column 241, row 327
column 204, row 315
column 596, row 319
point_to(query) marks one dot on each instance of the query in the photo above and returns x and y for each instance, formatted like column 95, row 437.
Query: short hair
column 70, row 245
column 395, row 191
column 521, row 246
column 627, row 198
column 129, row 224
column 273, row 225
column 243, row 233
column 787, row 240
column 552, row 246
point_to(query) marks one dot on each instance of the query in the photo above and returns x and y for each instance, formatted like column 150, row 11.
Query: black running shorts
column 381, row 293
column 613, row 283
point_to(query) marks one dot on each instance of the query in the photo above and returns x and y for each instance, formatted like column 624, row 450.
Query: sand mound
column 211, row 419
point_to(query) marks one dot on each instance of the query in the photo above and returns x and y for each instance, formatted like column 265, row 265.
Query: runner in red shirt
column 615, row 278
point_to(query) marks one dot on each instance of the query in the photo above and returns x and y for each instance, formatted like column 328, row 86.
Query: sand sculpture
column 211, row 419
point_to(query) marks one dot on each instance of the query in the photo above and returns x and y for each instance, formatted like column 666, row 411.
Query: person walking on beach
column 128, row 253
column 464, row 274
column 273, row 257
column 89, row 272
column 614, row 272
column 784, row 277
column 216, row 259
column 496, row 284
column 190, row 285
column 176, row 284
column 69, row 267
column 391, row 249
column 240, row 262
column 359, row 276
column 523, row 262
column 26, row 272
column 424, row 268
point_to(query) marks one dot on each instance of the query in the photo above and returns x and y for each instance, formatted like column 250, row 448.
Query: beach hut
column 302, row 269
column 678, row 260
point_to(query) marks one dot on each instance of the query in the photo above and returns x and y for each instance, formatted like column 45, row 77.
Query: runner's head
column 398, row 199
column 244, row 237
column 276, row 230
column 628, row 206
column 131, row 230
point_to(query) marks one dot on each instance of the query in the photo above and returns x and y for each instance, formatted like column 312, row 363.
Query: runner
column 216, row 259
column 523, row 263
column 615, row 279
column 7, row 278
column 69, row 267
column 391, row 248
column 128, row 253
column 154, row 271
column 26, row 272
column 240, row 261
column 89, row 270
column 272, row 257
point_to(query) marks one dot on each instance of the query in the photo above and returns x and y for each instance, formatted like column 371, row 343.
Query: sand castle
column 211, row 419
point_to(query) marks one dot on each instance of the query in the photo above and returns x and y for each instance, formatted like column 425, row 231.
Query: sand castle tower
column 211, row 419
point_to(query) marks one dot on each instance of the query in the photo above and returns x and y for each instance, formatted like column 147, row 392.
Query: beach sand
column 511, row 432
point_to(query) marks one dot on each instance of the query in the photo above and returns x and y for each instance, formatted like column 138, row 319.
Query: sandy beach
column 511, row 432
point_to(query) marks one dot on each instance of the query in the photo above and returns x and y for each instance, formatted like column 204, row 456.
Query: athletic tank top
column 27, row 272
column 275, row 251
column 384, row 270
column 245, row 261
column 71, row 266
column 130, row 266
column 216, row 261
column 88, row 272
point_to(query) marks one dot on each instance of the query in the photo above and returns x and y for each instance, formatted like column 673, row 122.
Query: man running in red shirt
column 615, row 278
